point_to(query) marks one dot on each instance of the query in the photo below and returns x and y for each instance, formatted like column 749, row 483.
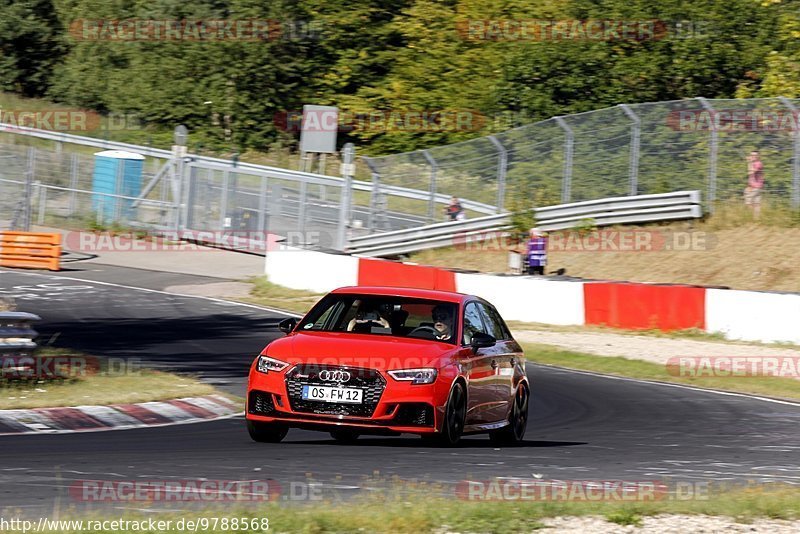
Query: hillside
column 753, row 256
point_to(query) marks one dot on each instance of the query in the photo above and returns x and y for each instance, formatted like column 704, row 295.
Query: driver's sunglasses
column 441, row 316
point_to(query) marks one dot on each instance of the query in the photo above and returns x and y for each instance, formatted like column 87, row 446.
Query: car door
column 504, row 361
column 477, row 365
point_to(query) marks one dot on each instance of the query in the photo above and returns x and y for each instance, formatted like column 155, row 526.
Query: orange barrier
column 393, row 274
column 644, row 306
column 30, row 250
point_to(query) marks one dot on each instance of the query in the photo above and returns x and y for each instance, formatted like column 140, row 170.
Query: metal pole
column 634, row 154
column 301, row 211
column 795, row 154
column 712, row 157
column 42, row 204
column 432, row 200
column 373, row 199
column 73, row 183
column 502, row 168
column 28, row 201
column 569, row 146
column 348, row 168
column 223, row 205
column 262, row 210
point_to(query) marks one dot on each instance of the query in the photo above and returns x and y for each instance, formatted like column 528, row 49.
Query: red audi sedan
column 384, row 360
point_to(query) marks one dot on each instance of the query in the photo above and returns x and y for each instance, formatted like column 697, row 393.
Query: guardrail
column 619, row 210
column 30, row 250
column 223, row 164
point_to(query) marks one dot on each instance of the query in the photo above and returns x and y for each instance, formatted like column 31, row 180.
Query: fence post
column 712, row 156
column 73, row 183
column 502, row 168
column 345, row 204
column 566, row 184
column 634, row 154
column 42, row 204
column 301, row 210
column 223, row 203
column 432, row 189
column 262, row 211
column 795, row 154
column 373, row 198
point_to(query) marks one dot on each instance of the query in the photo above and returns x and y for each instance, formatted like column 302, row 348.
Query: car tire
column 343, row 435
column 266, row 432
column 514, row 432
column 455, row 413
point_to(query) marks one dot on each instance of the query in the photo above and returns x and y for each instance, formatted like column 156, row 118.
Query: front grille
column 260, row 403
column 414, row 414
column 369, row 380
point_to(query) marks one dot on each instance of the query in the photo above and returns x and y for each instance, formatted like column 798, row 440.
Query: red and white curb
column 117, row 416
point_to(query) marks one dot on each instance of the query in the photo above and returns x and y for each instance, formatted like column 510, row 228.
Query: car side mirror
column 482, row 341
column 287, row 325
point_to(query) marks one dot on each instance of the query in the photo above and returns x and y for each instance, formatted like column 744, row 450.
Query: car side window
column 473, row 322
column 494, row 325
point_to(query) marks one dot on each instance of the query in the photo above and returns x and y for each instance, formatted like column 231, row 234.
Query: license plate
column 332, row 394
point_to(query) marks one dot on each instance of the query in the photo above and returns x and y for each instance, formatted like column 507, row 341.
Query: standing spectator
column 755, row 183
column 537, row 252
column 454, row 210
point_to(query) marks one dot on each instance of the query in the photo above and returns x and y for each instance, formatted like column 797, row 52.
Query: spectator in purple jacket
column 537, row 252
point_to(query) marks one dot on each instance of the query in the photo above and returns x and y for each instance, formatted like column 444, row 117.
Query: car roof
column 428, row 294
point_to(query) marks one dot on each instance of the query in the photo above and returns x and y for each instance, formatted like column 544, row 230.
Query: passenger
column 366, row 314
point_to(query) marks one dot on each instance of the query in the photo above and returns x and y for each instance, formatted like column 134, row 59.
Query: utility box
column 116, row 172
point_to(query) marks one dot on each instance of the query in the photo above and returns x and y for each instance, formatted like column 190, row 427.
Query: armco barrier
column 745, row 315
column 30, row 250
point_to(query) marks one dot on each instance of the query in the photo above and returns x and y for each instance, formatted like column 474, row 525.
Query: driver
column 367, row 313
column 442, row 322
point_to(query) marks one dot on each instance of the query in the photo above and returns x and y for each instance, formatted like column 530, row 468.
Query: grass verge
column 787, row 388
column 86, row 380
column 265, row 293
column 385, row 512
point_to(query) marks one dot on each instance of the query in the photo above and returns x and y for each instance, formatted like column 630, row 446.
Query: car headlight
column 415, row 376
column 266, row 364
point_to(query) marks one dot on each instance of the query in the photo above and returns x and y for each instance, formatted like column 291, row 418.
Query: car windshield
column 383, row 315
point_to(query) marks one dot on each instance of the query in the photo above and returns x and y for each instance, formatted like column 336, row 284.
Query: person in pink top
column 755, row 183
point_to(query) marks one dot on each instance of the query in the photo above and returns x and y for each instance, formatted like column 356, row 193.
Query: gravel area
column 647, row 348
column 667, row 524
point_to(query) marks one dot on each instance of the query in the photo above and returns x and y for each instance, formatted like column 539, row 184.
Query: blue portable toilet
column 116, row 172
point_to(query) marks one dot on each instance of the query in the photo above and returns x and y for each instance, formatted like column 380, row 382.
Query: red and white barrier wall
column 745, row 315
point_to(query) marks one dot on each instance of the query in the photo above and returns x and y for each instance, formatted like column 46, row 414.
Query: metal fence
column 624, row 150
column 695, row 144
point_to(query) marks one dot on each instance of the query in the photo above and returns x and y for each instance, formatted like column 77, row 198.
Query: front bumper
column 388, row 407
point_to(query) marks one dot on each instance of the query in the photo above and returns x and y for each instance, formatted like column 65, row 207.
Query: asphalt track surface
column 582, row 426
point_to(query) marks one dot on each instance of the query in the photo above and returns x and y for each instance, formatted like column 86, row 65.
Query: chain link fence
column 46, row 179
column 625, row 150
